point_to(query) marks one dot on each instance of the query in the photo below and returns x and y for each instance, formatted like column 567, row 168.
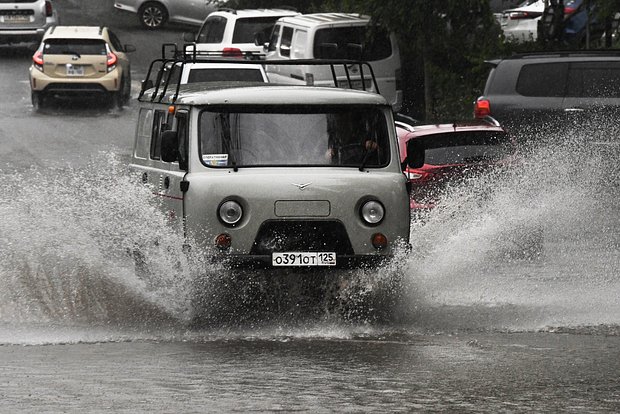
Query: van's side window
column 285, row 43
column 143, row 133
column 183, row 136
column 594, row 80
column 212, row 31
column 159, row 124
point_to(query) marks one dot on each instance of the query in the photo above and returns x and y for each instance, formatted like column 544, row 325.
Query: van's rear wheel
column 152, row 15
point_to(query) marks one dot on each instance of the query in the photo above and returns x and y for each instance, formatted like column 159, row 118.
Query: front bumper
column 264, row 262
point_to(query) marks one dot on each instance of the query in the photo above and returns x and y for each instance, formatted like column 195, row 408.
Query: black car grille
column 16, row 12
column 302, row 236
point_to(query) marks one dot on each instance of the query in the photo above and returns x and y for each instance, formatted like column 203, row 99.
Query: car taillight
column 417, row 175
column 520, row 15
column 482, row 108
column 112, row 59
column 232, row 52
column 37, row 60
column 48, row 9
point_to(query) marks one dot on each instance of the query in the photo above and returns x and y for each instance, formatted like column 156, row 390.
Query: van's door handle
column 574, row 109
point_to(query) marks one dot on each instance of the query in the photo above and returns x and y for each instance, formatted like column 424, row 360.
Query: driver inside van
column 351, row 141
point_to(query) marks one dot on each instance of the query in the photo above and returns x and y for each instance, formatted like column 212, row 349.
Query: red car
column 442, row 153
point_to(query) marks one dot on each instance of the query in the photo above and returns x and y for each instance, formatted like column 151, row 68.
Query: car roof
column 321, row 19
column 222, row 65
column 462, row 126
column 79, row 32
column 243, row 13
column 255, row 93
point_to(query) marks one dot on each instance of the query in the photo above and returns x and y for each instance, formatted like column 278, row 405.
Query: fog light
column 379, row 241
column 230, row 212
column 223, row 241
column 372, row 212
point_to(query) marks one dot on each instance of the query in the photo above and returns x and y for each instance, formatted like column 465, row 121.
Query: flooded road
column 475, row 328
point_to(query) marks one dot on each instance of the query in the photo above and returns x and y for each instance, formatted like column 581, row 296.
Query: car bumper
column 41, row 82
column 264, row 261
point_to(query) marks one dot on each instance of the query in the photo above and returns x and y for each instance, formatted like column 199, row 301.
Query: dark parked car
column 553, row 89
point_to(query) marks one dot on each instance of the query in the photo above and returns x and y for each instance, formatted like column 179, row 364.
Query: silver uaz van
column 275, row 175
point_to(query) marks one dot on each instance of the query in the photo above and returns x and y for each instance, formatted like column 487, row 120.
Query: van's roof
column 241, row 13
column 245, row 93
column 327, row 19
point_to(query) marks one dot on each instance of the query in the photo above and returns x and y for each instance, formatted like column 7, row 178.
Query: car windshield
column 469, row 147
column 75, row 47
column 294, row 136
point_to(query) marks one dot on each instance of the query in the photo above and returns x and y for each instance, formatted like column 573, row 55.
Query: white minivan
column 275, row 175
column 335, row 36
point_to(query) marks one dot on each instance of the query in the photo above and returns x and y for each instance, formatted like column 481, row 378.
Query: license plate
column 303, row 259
column 16, row 18
column 355, row 84
column 75, row 70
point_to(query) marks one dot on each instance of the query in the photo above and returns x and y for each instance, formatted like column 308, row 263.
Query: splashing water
column 69, row 238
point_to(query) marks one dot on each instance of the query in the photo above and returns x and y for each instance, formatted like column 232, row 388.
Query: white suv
column 233, row 32
column 25, row 21
column 153, row 14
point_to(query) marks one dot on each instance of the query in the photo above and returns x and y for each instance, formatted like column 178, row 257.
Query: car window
column 294, row 136
column 247, row 28
column 273, row 41
column 594, row 80
column 352, row 43
column 543, row 79
column 225, row 75
column 75, row 46
column 285, row 43
column 466, row 147
column 212, row 31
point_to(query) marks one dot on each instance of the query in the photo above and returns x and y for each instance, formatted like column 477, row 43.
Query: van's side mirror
column 189, row 37
column 129, row 48
column 259, row 39
column 169, row 146
column 415, row 154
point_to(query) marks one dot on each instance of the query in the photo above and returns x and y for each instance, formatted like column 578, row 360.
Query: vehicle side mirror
column 129, row 48
column 259, row 39
column 329, row 50
column 354, row 51
column 415, row 154
column 169, row 146
column 189, row 37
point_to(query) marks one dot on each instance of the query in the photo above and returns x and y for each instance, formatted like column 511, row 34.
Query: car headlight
column 230, row 212
column 372, row 212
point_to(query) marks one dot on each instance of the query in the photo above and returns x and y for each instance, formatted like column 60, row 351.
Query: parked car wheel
column 153, row 15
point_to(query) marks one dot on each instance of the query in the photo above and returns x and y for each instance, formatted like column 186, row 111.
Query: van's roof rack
column 171, row 60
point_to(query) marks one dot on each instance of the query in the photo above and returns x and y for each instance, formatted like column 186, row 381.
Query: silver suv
column 153, row 14
column 25, row 21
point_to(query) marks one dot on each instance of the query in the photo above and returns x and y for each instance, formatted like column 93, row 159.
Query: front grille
column 302, row 236
column 16, row 12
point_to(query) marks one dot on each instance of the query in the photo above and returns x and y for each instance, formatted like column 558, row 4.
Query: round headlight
column 373, row 212
column 230, row 212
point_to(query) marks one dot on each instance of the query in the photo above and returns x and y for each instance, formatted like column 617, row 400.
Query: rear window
column 225, row 75
column 246, row 29
column 352, row 43
column 75, row 47
column 468, row 147
column 542, row 79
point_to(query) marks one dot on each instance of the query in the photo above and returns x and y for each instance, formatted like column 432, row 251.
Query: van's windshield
column 294, row 136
